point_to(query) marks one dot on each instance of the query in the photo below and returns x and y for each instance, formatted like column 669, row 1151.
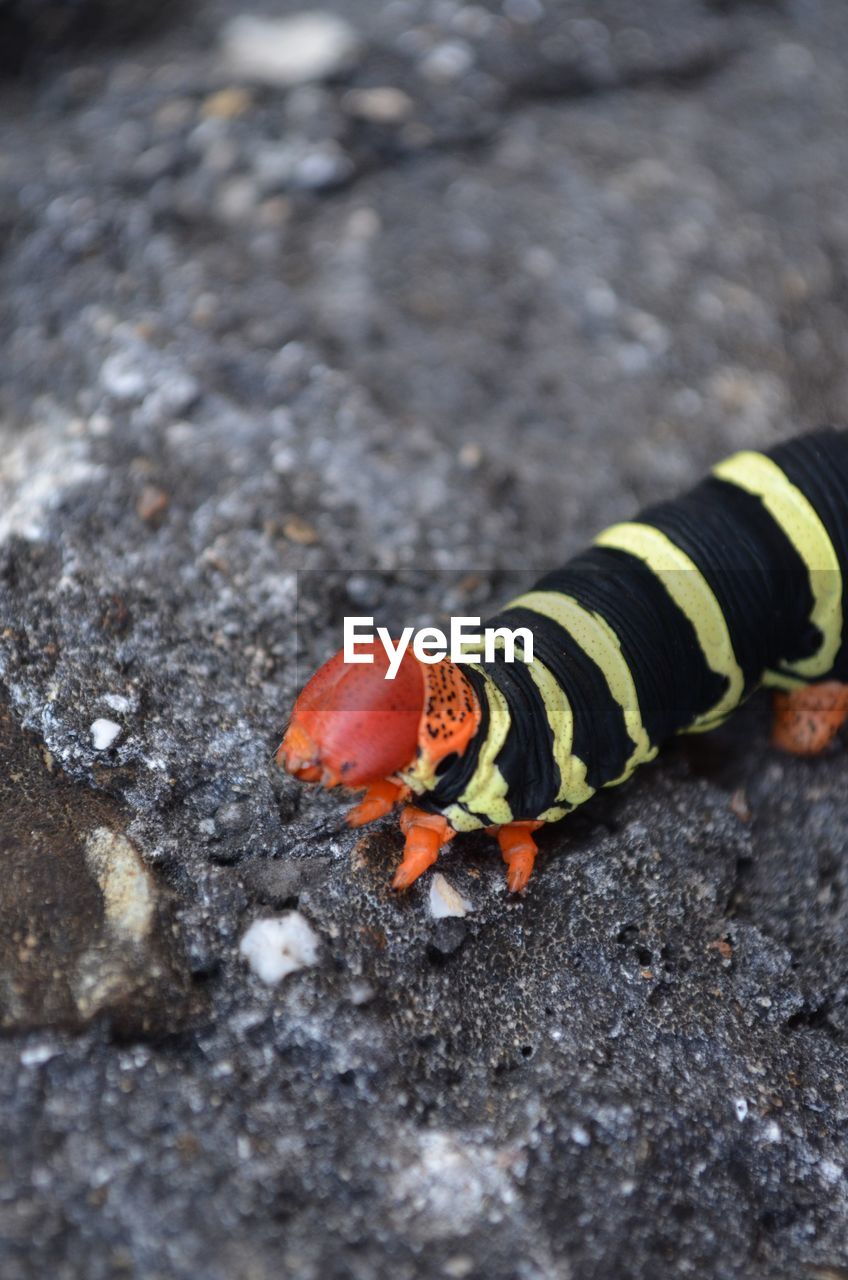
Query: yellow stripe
column 599, row 642
column 487, row 791
column 487, row 788
column 795, row 514
column 693, row 595
column 573, row 788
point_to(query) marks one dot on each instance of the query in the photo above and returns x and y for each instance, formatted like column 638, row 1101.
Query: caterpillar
column 664, row 625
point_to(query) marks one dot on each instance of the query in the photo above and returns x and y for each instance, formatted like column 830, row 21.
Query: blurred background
column 381, row 308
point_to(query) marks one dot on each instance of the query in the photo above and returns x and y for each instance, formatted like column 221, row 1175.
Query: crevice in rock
column 814, row 1018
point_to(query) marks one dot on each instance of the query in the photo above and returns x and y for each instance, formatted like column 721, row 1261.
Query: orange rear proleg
column 425, row 834
column 379, row 799
column 519, row 852
column 808, row 719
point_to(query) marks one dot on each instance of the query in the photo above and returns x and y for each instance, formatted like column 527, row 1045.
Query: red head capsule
column 351, row 726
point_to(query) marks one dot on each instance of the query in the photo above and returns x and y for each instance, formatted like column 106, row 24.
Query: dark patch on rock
column 280, row 883
column 32, row 31
column 85, row 930
column 591, row 249
column 447, row 937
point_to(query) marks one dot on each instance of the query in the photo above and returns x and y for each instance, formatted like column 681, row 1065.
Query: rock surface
column 271, row 356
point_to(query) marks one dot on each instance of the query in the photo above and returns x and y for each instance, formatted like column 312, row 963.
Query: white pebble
column 740, row 1106
column 100, row 424
column 288, row 51
column 580, row 1136
column 103, row 734
column 445, row 900
column 830, row 1171
column 122, row 378
column 383, row 105
column 36, row 1054
column 128, row 898
column 283, row 461
column 237, row 199
column 118, row 702
column 278, row 946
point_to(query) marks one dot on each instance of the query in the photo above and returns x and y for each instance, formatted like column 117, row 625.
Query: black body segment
column 818, row 466
column 756, row 574
column 599, row 734
column 669, row 669
column 662, row 626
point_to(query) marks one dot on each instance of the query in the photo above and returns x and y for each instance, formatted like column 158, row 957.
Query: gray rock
column 302, row 166
column 448, row 937
column 281, row 883
column 605, row 252
column 85, row 931
column 32, row 31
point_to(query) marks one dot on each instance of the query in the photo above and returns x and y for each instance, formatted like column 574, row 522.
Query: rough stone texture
column 83, row 930
column 35, row 31
column 257, row 345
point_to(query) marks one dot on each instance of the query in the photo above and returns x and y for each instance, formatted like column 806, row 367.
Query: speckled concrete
column 259, row 343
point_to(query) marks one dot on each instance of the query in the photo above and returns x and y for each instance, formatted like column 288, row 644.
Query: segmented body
column 664, row 625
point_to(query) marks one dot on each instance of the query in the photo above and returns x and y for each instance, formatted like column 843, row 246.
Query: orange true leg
column 425, row 834
column 807, row 719
column 379, row 799
column 519, row 852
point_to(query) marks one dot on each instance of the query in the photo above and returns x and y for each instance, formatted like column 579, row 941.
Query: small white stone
column 458, row 1267
column 237, row 199
column 580, row 1136
column 118, row 702
column 100, row 424
column 103, row 734
column 36, row 1054
column 122, row 378
column 284, row 461
column 360, row 993
column 830, row 1171
column 740, row 1106
column 445, row 900
column 246, row 1021
column 278, row 946
column 288, row 51
column 383, row 105
column 127, row 889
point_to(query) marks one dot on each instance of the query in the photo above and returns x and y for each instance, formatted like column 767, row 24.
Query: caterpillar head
column 351, row 726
